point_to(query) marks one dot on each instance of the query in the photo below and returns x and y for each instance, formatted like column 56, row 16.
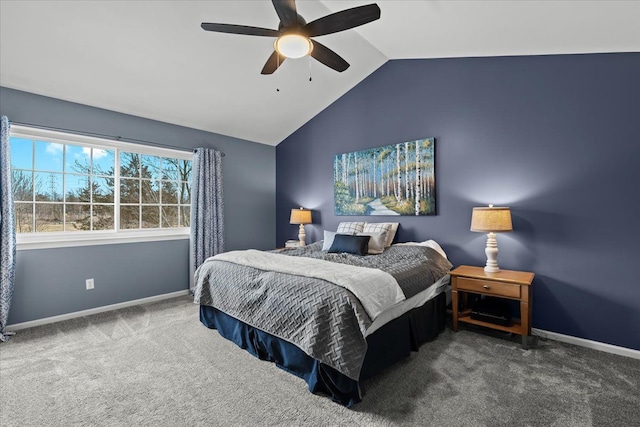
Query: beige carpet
column 156, row 365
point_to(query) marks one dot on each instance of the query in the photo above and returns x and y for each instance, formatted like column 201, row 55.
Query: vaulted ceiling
column 152, row 59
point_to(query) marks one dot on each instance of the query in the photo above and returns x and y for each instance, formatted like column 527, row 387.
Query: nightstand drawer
column 488, row 287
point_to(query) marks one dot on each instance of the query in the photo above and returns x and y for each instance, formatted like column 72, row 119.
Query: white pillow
column 429, row 243
column 350, row 227
column 376, row 242
column 390, row 227
column 328, row 240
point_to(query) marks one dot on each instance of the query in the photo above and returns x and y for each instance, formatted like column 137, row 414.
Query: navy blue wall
column 556, row 138
column 51, row 282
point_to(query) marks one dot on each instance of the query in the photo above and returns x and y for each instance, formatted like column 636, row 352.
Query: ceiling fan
column 294, row 33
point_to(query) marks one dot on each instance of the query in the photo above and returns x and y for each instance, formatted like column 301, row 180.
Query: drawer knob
column 486, row 286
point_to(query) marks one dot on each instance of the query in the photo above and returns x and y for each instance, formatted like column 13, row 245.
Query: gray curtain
column 7, row 231
column 207, row 207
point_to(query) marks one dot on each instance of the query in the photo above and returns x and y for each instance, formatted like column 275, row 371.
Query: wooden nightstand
column 514, row 285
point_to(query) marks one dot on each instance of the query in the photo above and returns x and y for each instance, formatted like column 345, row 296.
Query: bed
column 332, row 319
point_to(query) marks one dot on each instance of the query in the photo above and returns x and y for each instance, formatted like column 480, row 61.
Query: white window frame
column 27, row 241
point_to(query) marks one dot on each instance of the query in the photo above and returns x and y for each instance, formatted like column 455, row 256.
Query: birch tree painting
column 396, row 179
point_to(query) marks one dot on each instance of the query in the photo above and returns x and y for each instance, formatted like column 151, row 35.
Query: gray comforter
column 324, row 320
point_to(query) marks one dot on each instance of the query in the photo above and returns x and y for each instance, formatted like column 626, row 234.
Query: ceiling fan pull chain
column 277, row 74
column 309, row 68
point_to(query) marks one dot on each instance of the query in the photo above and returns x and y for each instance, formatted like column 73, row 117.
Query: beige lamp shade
column 491, row 219
column 300, row 216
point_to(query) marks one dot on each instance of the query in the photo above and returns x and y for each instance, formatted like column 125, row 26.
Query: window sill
column 64, row 240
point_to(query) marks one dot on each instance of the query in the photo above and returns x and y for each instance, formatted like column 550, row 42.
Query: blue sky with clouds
column 50, row 156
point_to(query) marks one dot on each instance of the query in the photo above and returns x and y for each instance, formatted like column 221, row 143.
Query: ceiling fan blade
column 286, row 10
column 272, row 64
column 328, row 57
column 240, row 29
column 342, row 20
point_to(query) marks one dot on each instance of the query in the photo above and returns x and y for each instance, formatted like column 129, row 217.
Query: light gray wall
column 51, row 282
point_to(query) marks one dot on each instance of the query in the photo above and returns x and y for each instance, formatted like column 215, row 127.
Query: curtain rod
column 101, row 135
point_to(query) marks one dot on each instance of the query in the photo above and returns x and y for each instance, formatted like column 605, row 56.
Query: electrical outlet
column 90, row 284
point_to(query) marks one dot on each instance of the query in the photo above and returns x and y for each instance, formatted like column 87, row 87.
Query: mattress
column 418, row 300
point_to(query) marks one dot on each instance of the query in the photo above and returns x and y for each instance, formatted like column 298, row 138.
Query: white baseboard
column 596, row 345
column 75, row 314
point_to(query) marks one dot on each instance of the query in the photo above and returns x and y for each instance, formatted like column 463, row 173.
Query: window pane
column 169, row 216
column 102, row 190
column 77, row 188
column 150, row 167
column 185, row 167
column 129, row 217
column 129, row 164
column 21, row 153
column 48, row 187
column 49, row 156
column 150, row 191
column 150, row 216
column 129, row 190
column 185, row 216
column 49, row 217
column 103, row 162
column 77, row 159
column 78, row 218
column 185, row 193
column 103, row 217
column 170, row 169
column 169, row 192
column 24, row 217
column 22, row 185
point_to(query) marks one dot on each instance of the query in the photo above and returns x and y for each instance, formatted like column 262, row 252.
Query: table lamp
column 300, row 216
column 491, row 220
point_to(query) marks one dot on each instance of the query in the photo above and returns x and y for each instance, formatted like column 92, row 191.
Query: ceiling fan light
column 293, row 45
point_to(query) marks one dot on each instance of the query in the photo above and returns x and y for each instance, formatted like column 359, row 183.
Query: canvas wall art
column 397, row 179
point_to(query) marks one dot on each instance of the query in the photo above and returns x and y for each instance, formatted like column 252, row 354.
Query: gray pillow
column 377, row 227
column 377, row 241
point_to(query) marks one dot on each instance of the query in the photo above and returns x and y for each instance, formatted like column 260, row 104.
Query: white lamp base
column 492, row 254
column 302, row 236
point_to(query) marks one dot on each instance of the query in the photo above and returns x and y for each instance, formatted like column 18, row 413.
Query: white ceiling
column 152, row 59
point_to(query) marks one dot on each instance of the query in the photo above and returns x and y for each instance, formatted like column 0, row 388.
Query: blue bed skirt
column 387, row 345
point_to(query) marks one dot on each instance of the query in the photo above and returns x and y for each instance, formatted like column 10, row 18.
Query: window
column 70, row 189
